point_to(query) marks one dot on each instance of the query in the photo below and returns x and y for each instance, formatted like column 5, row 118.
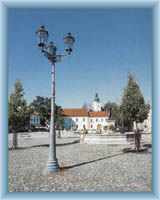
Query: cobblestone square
column 83, row 167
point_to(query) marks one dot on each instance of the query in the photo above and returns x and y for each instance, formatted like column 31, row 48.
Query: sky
column 110, row 43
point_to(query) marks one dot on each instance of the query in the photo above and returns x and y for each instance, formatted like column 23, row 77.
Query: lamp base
column 52, row 166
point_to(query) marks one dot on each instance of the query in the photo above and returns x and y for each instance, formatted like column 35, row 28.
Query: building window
column 101, row 120
column 106, row 119
column 76, row 119
column 96, row 120
column 91, row 120
column 91, row 126
column 83, row 119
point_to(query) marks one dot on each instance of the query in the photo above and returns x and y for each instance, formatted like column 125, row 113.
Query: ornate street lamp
column 69, row 40
column 49, row 51
column 42, row 36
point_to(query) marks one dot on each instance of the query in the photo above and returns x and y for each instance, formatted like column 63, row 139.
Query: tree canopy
column 18, row 110
column 42, row 105
column 133, row 106
column 114, row 112
column 58, row 117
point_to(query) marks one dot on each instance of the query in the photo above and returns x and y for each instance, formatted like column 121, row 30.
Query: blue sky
column 110, row 43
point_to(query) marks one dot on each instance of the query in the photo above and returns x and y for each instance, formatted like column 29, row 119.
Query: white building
column 35, row 120
column 147, row 124
column 77, row 118
column 97, row 120
column 100, row 120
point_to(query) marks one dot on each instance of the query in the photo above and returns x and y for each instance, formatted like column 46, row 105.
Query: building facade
column 96, row 120
column 35, row 120
column 146, row 126
column 78, row 118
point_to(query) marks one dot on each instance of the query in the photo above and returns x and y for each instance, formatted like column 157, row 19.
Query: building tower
column 96, row 103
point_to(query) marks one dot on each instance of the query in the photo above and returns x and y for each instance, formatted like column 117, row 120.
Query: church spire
column 96, row 97
column 96, row 103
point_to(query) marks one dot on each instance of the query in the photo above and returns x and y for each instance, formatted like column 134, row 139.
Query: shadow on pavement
column 88, row 162
column 148, row 145
column 124, row 151
column 143, row 150
column 46, row 145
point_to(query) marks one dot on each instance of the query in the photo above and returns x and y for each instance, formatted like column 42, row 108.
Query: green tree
column 42, row 105
column 18, row 112
column 108, row 107
column 114, row 112
column 133, row 106
column 117, row 115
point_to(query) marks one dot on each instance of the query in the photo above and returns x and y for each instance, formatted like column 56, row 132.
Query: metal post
column 15, row 139
column 137, row 137
column 52, row 163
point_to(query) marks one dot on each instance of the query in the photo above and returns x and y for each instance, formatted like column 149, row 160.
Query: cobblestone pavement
column 101, row 168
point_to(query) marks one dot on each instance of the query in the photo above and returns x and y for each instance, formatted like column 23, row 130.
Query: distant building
column 35, row 120
column 97, row 103
column 77, row 118
column 146, row 125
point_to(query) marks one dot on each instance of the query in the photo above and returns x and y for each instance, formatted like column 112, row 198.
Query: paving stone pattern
column 84, row 167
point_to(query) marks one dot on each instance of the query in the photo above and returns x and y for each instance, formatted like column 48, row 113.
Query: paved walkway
column 83, row 167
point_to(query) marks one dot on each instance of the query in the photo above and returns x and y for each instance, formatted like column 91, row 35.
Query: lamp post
column 49, row 51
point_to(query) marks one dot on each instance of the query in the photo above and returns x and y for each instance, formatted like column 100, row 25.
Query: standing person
column 83, row 133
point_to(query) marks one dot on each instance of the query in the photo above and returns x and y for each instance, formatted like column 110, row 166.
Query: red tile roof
column 98, row 114
column 75, row 112
column 82, row 112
